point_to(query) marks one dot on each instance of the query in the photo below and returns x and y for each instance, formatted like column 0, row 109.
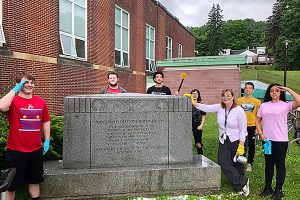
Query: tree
column 241, row 34
column 215, row 42
column 201, row 38
column 284, row 24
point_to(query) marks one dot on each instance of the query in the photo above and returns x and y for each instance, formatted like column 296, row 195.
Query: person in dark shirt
column 198, row 119
column 159, row 88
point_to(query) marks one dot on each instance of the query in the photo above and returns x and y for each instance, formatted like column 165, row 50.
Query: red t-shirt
column 112, row 90
column 26, row 117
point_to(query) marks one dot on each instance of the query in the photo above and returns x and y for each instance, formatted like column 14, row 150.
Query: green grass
column 269, row 76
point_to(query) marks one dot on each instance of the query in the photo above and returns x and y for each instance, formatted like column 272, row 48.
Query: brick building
column 209, row 74
column 70, row 45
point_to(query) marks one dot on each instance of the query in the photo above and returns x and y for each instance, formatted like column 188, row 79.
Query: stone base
column 201, row 177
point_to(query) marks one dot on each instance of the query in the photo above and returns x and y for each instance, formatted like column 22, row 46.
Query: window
column 121, row 37
column 168, row 47
column 150, row 48
column 72, row 27
column 2, row 38
column 179, row 50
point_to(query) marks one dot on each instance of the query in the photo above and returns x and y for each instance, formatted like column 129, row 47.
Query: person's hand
column 190, row 96
column 282, row 88
column 46, row 146
column 176, row 93
column 267, row 147
column 19, row 86
column 199, row 127
column 240, row 150
column 262, row 136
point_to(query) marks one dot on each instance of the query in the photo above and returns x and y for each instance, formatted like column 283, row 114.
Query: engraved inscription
column 126, row 136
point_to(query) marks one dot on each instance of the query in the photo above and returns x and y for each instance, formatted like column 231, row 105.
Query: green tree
column 284, row 24
column 240, row 34
column 201, row 39
column 215, row 42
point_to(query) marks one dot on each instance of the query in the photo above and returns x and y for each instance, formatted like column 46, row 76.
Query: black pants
column 198, row 139
column 251, row 143
column 276, row 158
column 235, row 172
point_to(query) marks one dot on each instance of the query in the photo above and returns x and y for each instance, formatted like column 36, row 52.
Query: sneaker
column 249, row 167
column 246, row 190
column 266, row 192
column 277, row 195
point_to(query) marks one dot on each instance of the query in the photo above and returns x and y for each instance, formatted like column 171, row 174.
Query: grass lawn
column 272, row 76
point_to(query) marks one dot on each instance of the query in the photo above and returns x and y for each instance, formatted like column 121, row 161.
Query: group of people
column 240, row 122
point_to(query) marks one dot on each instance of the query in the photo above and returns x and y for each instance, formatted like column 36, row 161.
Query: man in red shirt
column 28, row 117
column 113, row 85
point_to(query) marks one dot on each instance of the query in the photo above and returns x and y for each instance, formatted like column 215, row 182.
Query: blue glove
column 267, row 147
column 46, row 146
column 19, row 86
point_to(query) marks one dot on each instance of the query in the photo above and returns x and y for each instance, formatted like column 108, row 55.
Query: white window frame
column 169, row 47
column 73, row 36
column 179, row 50
column 2, row 40
column 121, row 39
column 152, row 68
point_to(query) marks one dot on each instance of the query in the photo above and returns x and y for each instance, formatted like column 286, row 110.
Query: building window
column 121, row 37
column 72, row 27
column 150, row 48
column 2, row 38
column 168, row 47
column 179, row 50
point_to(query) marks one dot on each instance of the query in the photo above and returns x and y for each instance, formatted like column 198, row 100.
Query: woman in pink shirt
column 232, row 135
column 273, row 114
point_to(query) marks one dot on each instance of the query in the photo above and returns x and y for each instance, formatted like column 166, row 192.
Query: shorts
column 29, row 167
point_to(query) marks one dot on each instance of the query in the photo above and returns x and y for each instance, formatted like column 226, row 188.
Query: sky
column 195, row 12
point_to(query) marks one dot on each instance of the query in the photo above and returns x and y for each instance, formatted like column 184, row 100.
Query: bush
column 56, row 139
column 3, row 133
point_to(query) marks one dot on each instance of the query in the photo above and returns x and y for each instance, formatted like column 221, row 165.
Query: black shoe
column 267, row 191
column 277, row 195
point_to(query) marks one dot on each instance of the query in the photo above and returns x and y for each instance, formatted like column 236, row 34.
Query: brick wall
column 32, row 43
column 209, row 82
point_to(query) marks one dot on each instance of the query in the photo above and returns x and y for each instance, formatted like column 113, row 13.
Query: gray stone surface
column 202, row 176
column 126, row 130
column 128, row 145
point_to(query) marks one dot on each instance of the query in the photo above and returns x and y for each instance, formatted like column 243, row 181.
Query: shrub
column 56, row 139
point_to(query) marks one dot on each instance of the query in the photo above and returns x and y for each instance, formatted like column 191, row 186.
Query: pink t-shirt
column 274, row 119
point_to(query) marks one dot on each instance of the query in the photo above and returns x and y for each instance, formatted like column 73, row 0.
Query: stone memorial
column 120, row 145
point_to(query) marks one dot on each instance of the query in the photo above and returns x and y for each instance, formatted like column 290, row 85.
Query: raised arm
column 7, row 99
column 207, row 108
column 296, row 103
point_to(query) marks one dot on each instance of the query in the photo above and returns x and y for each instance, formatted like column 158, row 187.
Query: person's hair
column 154, row 75
column 249, row 83
column 199, row 99
column 112, row 73
column 268, row 95
column 234, row 104
column 25, row 74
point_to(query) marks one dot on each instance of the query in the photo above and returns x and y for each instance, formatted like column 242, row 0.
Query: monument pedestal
column 200, row 177
column 120, row 145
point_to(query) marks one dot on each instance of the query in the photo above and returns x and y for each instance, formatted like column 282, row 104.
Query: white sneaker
column 246, row 190
column 249, row 167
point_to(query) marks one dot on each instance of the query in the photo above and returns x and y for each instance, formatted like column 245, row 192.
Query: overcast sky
column 195, row 12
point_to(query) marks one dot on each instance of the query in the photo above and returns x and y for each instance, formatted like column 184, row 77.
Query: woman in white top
column 232, row 135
